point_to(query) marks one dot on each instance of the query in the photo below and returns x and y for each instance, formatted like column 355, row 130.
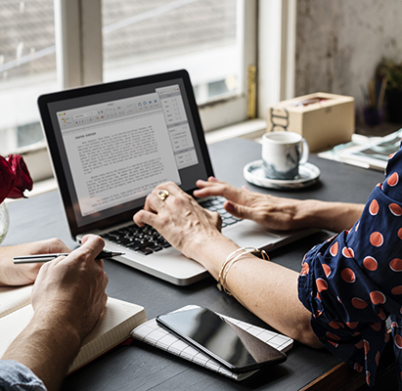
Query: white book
column 113, row 328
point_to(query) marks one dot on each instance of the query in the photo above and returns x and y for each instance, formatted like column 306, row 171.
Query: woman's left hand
column 179, row 219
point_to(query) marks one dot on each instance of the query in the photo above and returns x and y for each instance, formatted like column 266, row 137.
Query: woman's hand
column 23, row 274
column 269, row 211
column 180, row 220
column 281, row 214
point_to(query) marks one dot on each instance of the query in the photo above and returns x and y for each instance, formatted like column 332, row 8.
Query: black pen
column 49, row 257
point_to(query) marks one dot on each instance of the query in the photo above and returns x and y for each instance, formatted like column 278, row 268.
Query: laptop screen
column 112, row 144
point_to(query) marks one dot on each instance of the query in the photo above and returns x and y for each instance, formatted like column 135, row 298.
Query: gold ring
column 163, row 194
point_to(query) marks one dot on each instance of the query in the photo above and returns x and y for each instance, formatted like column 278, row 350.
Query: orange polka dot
column 359, row 303
column 397, row 290
column 396, row 265
column 327, row 269
column 394, row 324
column 318, row 296
column 348, row 275
column 318, row 313
column 377, row 358
column 374, row 207
column 336, row 325
column 334, row 249
column 357, row 367
column 395, row 209
column 398, row 341
column 393, row 179
column 368, row 377
column 332, row 336
column 305, row 269
column 400, row 233
column 357, row 226
column 381, row 314
column 321, row 284
column 379, row 185
column 352, row 325
column 333, row 343
column 376, row 326
column 376, row 239
column 366, row 347
column 391, row 156
column 370, row 263
column 359, row 345
column 347, row 252
column 377, row 297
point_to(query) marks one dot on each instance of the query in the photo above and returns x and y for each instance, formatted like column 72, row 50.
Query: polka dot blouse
column 353, row 282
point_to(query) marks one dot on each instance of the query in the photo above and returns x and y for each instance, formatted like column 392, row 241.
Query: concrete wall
column 340, row 42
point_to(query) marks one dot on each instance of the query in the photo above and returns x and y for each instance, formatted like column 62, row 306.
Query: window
column 201, row 36
column 27, row 69
column 104, row 40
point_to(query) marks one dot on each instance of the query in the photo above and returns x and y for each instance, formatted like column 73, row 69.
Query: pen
column 48, row 257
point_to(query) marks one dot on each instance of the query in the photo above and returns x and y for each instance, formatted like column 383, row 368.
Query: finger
column 171, row 187
column 91, row 246
column 237, row 210
column 145, row 217
column 153, row 203
column 220, row 189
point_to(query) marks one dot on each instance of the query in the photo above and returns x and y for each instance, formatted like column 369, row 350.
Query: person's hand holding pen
column 14, row 274
column 68, row 298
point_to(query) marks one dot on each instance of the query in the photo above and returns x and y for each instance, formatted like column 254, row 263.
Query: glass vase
column 4, row 221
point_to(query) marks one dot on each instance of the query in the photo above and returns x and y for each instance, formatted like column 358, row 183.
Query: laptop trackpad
column 247, row 233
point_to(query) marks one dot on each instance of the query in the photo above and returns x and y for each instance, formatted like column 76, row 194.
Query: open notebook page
column 11, row 299
column 113, row 328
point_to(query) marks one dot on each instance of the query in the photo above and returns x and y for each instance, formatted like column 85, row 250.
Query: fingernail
column 212, row 179
column 229, row 206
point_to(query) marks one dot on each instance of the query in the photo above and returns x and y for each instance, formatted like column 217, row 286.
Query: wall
column 340, row 42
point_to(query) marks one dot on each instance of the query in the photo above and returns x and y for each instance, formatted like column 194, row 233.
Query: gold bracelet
column 230, row 261
column 219, row 285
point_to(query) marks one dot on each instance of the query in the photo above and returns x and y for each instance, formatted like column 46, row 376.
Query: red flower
column 22, row 178
column 6, row 178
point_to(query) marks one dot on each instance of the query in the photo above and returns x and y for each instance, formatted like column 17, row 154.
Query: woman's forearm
column 333, row 216
column 265, row 288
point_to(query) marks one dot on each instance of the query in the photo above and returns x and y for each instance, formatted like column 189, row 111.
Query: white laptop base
column 172, row 266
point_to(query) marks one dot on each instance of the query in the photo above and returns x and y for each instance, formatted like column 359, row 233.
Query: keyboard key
column 144, row 251
column 231, row 221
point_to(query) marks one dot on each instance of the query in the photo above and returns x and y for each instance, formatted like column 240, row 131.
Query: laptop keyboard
column 146, row 240
column 216, row 205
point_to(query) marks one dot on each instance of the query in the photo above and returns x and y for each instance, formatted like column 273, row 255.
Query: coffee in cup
column 282, row 153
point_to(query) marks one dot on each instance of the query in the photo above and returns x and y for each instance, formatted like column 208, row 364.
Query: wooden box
column 324, row 120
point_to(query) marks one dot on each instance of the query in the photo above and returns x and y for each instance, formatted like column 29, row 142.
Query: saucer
column 308, row 175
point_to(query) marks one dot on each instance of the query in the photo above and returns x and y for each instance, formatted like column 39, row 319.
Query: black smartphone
column 222, row 340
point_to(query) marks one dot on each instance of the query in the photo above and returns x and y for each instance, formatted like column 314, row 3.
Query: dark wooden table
column 142, row 367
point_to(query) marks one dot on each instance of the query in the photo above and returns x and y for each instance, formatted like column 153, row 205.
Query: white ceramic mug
column 282, row 153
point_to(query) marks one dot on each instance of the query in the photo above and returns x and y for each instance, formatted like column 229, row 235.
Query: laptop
column 111, row 144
